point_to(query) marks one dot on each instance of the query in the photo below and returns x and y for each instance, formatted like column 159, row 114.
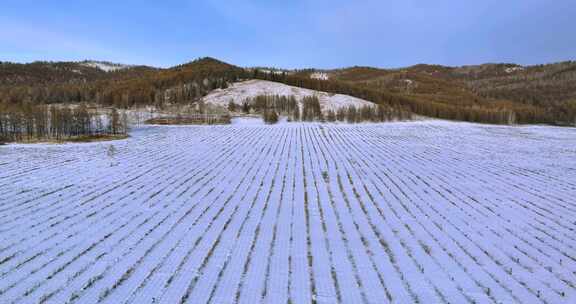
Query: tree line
column 30, row 122
column 309, row 109
column 490, row 111
column 58, row 83
column 547, row 101
column 36, row 100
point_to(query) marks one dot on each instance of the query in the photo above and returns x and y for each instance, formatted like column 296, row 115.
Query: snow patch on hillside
column 514, row 69
column 277, row 72
column 239, row 91
column 105, row 66
column 319, row 76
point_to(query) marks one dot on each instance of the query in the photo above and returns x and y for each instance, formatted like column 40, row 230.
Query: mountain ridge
column 486, row 93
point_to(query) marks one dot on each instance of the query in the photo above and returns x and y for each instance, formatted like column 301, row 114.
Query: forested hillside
column 45, row 82
column 491, row 93
column 534, row 94
column 29, row 94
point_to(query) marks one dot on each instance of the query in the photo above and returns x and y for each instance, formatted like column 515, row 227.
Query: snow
column 252, row 121
column 405, row 212
column 514, row 69
column 105, row 66
column 319, row 76
column 266, row 71
column 255, row 121
column 239, row 91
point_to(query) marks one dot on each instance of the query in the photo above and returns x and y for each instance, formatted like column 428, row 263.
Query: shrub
column 270, row 117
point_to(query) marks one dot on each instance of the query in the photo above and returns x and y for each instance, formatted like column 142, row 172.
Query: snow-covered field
column 413, row 212
column 239, row 91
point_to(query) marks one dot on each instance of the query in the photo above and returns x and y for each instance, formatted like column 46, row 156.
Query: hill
column 241, row 91
column 69, row 82
column 546, row 92
column 490, row 93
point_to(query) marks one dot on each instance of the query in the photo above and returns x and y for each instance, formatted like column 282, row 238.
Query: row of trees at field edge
column 271, row 106
column 29, row 122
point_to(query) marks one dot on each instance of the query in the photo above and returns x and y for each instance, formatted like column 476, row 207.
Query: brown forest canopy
column 541, row 93
column 74, row 82
column 491, row 93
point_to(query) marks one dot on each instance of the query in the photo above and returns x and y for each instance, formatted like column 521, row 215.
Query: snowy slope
column 320, row 76
column 239, row 91
column 105, row 66
column 514, row 69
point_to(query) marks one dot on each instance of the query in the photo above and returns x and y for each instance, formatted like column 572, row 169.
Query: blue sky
column 290, row 34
